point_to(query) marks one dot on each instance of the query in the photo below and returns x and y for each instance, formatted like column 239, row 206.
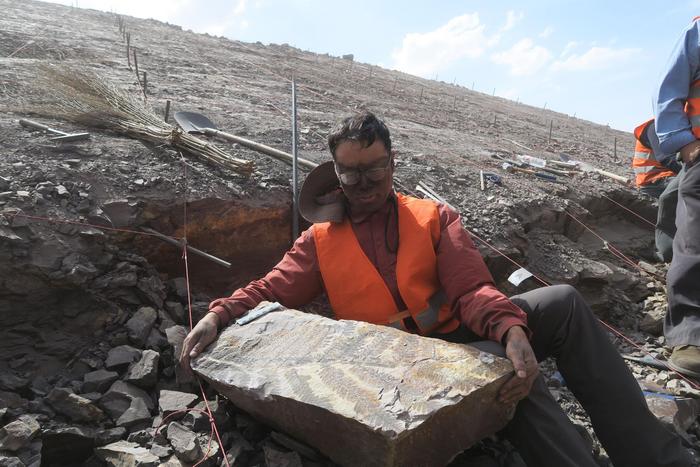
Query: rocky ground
column 91, row 318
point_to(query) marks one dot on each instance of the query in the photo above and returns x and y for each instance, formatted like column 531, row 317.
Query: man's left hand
column 519, row 352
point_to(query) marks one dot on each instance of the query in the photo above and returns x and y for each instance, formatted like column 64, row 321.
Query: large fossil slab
column 362, row 394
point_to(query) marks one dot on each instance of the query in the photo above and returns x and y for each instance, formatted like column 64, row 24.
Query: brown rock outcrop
column 362, row 394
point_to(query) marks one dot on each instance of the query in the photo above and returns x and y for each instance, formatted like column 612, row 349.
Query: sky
column 598, row 60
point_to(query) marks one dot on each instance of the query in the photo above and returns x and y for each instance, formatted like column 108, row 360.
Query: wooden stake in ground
column 136, row 67
column 128, row 46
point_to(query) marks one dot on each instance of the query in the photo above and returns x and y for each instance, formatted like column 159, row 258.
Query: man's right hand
column 690, row 151
column 203, row 334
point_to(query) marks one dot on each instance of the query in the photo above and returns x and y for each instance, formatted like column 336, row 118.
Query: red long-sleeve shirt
column 296, row 279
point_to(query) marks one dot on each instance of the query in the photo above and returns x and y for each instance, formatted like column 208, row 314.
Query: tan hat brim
column 321, row 199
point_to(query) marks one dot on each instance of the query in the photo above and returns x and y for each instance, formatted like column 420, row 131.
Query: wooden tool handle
column 272, row 152
column 32, row 124
column 617, row 177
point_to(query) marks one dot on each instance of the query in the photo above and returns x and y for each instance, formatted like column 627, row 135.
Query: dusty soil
column 443, row 135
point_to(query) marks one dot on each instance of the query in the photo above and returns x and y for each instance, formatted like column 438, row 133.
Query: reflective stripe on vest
column 646, row 168
column 357, row 291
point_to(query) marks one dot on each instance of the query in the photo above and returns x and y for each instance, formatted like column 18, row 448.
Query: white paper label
column 519, row 276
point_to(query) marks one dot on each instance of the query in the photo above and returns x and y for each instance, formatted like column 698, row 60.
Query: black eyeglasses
column 352, row 177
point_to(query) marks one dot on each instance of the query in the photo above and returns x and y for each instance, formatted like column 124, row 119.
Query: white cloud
column 547, row 32
column 512, row 18
column 239, row 9
column 232, row 20
column 524, row 58
column 596, row 58
column 568, row 48
column 424, row 54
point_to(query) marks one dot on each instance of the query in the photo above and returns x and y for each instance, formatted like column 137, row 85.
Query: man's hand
column 690, row 151
column 519, row 352
column 203, row 334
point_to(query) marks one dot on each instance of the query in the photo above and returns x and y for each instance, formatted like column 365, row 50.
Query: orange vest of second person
column 357, row 291
column 692, row 107
column 646, row 168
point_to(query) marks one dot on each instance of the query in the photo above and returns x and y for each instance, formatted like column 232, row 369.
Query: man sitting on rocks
column 391, row 259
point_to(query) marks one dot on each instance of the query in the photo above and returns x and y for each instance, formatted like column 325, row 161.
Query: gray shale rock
column 126, row 454
column 12, row 400
column 99, row 381
column 136, row 416
column 361, row 394
column 121, row 356
column 198, row 419
column 18, row 434
column 69, row 444
column 109, row 436
column 144, row 373
column 31, row 456
column 152, row 289
column 173, row 401
column 7, row 461
column 177, row 312
column 73, row 406
column 139, row 326
column 123, row 396
column 161, row 451
column 677, row 413
column 184, row 442
column 275, row 457
column 12, row 382
column 176, row 336
column 156, row 340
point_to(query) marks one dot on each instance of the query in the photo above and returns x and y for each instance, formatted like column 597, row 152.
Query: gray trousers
column 655, row 189
column 682, row 323
column 666, row 220
column 564, row 327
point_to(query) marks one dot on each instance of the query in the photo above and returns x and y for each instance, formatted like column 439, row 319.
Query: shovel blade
column 193, row 122
column 71, row 137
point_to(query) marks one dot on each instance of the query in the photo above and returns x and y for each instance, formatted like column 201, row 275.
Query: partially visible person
column 677, row 112
column 655, row 176
column 652, row 170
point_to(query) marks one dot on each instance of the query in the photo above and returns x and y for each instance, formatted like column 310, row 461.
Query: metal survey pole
column 295, row 205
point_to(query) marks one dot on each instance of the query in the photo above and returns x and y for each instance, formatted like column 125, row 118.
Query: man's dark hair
column 364, row 128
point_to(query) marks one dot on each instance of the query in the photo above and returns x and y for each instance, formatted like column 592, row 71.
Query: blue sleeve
column 672, row 124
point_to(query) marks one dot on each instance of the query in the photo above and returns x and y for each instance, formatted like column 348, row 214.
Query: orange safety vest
column 646, row 168
column 358, row 292
column 692, row 107
column 692, row 104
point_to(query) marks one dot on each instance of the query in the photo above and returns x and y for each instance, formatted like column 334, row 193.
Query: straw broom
column 86, row 98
